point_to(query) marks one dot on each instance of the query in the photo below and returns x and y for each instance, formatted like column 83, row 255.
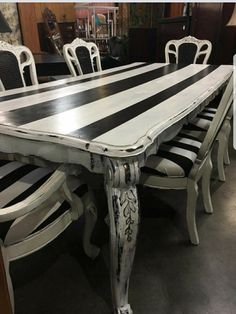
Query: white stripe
column 179, row 151
column 66, row 122
column 188, row 141
column 64, row 81
column 22, row 185
column 165, row 114
column 165, row 166
column 70, row 90
column 206, row 114
column 9, row 167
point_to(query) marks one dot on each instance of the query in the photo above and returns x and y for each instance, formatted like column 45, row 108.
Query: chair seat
column 202, row 121
column 174, row 158
column 19, row 180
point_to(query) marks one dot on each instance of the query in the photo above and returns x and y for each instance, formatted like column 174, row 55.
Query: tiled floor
column 169, row 276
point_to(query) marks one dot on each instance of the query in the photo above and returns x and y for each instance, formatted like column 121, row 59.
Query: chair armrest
column 39, row 197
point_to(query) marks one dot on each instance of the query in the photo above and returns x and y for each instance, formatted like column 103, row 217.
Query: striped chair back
column 223, row 110
column 13, row 62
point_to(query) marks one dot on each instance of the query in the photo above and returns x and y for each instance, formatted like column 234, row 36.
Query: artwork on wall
column 10, row 12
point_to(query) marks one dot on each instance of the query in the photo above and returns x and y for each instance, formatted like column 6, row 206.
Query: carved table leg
column 121, row 180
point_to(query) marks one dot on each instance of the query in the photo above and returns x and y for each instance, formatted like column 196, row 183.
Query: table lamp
column 4, row 26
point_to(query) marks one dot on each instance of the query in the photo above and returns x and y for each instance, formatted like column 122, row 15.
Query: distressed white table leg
column 121, row 180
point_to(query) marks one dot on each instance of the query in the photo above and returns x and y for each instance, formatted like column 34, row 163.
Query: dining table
column 109, row 122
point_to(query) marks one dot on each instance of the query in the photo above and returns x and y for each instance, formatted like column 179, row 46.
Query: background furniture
column 50, row 64
column 205, row 21
column 96, row 24
column 52, row 31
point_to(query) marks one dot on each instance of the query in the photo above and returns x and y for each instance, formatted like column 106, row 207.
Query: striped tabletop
column 119, row 109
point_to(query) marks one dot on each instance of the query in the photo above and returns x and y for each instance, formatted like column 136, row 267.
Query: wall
column 9, row 10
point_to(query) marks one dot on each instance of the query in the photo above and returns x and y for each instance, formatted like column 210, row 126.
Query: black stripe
column 15, row 175
column 152, row 171
column 45, row 109
column 190, row 137
column 202, row 116
column 60, row 84
column 184, row 162
column 185, row 146
column 192, row 127
column 106, row 124
column 208, row 110
column 4, row 162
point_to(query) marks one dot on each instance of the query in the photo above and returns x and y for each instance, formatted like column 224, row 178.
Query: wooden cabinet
column 209, row 22
column 142, row 44
column 167, row 29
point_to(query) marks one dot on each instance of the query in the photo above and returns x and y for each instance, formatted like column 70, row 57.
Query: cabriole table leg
column 121, row 180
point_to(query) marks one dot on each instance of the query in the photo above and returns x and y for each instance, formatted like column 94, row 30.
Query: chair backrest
column 80, row 56
column 13, row 61
column 188, row 50
column 221, row 114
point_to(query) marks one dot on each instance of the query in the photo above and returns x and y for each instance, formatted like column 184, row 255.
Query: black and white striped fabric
column 203, row 120
column 114, row 109
column 174, row 158
column 19, row 180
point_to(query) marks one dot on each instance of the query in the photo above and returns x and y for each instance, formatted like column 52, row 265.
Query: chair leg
column 206, row 193
column 192, row 195
column 90, row 214
column 226, row 154
column 220, row 156
column 6, row 290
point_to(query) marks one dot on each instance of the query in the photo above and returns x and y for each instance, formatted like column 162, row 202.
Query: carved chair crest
column 52, row 30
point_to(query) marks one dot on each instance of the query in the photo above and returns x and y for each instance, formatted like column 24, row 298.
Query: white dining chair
column 36, row 205
column 80, row 57
column 199, row 126
column 183, row 161
column 13, row 62
column 188, row 50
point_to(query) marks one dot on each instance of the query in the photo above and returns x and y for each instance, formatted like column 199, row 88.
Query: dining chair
column 13, row 62
column 36, row 205
column 199, row 126
column 183, row 161
column 188, row 50
column 80, row 57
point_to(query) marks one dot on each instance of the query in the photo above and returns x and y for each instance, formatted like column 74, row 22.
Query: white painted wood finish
column 25, row 59
column 22, row 239
column 192, row 40
column 201, row 169
column 69, row 53
column 172, row 95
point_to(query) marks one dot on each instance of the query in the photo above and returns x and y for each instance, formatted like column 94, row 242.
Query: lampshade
column 232, row 21
column 4, row 27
